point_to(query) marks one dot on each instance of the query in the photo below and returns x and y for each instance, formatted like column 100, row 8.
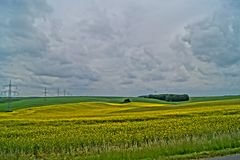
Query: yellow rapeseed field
column 99, row 130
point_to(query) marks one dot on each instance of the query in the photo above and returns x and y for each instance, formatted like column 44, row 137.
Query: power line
column 45, row 92
column 9, row 91
column 58, row 92
column 64, row 92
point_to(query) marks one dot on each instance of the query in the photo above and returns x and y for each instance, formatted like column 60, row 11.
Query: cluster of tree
column 168, row 97
column 127, row 100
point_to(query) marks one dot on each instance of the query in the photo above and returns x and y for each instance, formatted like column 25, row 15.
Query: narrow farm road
column 232, row 157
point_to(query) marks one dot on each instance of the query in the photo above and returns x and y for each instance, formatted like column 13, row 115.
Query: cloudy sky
column 121, row 47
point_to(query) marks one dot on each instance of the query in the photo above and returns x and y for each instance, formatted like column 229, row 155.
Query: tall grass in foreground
column 159, row 149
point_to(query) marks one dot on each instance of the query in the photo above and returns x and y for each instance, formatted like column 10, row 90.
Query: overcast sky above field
column 121, row 47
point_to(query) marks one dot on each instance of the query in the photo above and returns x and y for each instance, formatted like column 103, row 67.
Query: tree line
column 168, row 97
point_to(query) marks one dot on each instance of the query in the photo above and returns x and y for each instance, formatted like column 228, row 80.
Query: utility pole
column 64, row 92
column 58, row 92
column 9, row 91
column 45, row 93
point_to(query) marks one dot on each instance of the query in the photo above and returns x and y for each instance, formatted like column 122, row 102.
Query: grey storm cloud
column 213, row 45
column 18, row 32
column 216, row 39
column 120, row 47
column 59, row 70
column 25, row 47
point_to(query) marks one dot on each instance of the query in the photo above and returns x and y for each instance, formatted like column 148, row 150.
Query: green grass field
column 105, row 128
column 19, row 103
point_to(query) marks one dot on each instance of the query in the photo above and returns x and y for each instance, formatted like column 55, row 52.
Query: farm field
column 106, row 128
